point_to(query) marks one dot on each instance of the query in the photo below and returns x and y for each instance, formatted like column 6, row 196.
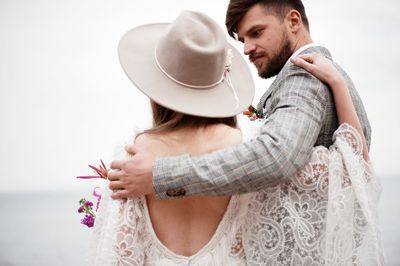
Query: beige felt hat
column 188, row 66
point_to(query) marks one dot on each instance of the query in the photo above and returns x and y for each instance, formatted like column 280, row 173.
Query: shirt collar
column 301, row 49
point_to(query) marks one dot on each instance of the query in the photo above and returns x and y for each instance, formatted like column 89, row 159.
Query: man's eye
column 257, row 33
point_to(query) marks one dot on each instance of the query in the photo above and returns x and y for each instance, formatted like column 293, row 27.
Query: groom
column 298, row 113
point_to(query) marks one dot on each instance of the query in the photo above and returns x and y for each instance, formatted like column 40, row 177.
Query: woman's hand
column 324, row 70
column 321, row 67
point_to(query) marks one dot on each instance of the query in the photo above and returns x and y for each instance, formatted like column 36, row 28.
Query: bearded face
column 266, row 40
column 274, row 63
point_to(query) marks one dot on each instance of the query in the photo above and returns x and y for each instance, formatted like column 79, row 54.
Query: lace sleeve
column 116, row 236
column 349, row 135
column 352, row 225
column 327, row 214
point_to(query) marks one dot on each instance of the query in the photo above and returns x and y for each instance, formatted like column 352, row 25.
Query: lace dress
column 324, row 215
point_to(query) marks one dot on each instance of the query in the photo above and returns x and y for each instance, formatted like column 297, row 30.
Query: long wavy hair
column 165, row 120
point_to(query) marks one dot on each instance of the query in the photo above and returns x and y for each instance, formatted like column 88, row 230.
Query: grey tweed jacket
column 298, row 112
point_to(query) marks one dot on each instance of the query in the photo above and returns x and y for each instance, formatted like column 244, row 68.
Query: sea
column 43, row 228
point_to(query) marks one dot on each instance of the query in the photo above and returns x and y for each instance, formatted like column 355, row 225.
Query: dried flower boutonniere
column 252, row 113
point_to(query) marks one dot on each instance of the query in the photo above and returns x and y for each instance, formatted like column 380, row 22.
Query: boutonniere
column 86, row 206
column 252, row 113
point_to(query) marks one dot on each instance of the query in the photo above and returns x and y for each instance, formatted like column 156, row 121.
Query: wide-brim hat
column 188, row 66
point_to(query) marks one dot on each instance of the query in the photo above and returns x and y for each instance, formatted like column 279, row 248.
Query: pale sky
column 65, row 101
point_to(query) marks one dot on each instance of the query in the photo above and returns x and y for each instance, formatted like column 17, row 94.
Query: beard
column 275, row 65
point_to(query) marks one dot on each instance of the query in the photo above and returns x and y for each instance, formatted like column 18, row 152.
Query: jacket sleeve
column 284, row 145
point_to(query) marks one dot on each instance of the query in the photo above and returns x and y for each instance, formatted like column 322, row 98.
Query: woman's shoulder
column 227, row 136
column 143, row 138
column 119, row 148
column 194, row 141
column 155, row 143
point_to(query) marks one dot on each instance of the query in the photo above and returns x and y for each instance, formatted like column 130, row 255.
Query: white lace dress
column 325, row 215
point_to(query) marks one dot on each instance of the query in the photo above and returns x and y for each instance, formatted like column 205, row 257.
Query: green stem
column 89, row 210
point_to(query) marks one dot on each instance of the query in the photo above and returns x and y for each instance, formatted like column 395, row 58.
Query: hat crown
column 193, row 50
column 188, row 66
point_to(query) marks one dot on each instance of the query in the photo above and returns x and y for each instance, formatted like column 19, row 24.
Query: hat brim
column 136, row 52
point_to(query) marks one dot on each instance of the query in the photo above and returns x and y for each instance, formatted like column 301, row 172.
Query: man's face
column 266, row 40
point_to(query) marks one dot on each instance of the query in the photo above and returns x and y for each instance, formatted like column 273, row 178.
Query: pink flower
column 88, row 220
column 102, row 172
column 87, row 206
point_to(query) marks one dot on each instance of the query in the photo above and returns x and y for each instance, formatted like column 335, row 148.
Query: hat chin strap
column 225, row 77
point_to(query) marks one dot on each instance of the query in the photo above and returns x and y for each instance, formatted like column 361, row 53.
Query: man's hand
column 133, row 177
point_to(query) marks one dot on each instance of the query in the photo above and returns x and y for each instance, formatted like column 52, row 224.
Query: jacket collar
column 309, row 48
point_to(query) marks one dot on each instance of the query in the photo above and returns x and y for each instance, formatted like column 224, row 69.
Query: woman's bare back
column 185, row 225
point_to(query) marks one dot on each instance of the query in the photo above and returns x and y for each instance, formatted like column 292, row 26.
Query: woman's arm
column 323, row 69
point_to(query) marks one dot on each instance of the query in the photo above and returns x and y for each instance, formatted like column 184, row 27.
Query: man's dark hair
column 238, row 8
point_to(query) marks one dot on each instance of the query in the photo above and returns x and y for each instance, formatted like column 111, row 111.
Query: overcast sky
column 65, row 101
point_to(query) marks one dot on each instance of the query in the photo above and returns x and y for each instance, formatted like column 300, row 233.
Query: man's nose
column 249, row 48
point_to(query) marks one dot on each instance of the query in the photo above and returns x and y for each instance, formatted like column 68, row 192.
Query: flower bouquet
column 86, row 206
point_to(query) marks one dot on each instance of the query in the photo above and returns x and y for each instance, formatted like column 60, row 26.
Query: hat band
column 182, row 83
column 225, row 76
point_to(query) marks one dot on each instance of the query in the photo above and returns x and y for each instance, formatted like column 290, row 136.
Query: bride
column 324, row 215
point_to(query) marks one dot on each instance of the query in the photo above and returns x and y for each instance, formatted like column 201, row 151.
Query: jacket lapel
column 262, row 103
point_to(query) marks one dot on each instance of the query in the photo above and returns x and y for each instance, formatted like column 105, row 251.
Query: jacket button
column 176, row 192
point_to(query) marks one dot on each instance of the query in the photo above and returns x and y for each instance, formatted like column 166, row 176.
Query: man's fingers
column 114, row 175
column 120, row 194
column 114, row 185
column 131, row 149
column 116, row 164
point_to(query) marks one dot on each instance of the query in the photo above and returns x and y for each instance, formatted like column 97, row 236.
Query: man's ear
column 294, row 21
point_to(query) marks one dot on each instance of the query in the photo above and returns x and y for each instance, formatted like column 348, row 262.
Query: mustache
column 253, row 56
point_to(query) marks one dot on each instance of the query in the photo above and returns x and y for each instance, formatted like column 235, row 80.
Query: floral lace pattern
column 124, row 236
column 325, row 215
